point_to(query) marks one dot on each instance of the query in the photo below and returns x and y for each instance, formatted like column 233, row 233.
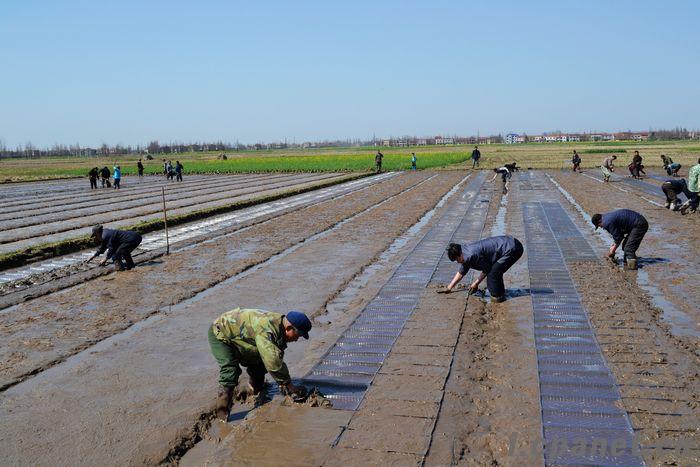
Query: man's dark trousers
column 494, row 279
column 631, row 243
column 123, row 252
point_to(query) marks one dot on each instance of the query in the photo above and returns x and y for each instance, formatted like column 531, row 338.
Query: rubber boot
column 223, row 402
column 632, row 264
column 500, row 299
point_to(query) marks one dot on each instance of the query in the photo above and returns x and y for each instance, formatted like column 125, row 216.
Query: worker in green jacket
column 255, row 339
column 693, row 188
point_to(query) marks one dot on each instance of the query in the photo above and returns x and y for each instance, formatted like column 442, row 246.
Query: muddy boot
column 632, row 264
column 500, row 299
column 684, row 209
column 118, row 266
column 223, row 402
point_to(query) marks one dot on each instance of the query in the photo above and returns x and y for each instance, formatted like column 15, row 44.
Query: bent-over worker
column 118, row 243
column 505, row 176
column 255, row 339
column 608, row 167
column 672, row 188
column 628, row 228
column 492, row 256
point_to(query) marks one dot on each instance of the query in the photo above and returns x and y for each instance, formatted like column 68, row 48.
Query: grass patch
column 601, row 151
column 64, row 247
column 351, row 161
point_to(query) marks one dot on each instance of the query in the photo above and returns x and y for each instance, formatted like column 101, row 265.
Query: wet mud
column 140, row 394
column 73, row 319
column 670, row 251
column 657, row 374
column 459, row 387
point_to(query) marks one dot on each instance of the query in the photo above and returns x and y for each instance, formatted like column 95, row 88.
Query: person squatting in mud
column 505, row 176
column 670, row 167
column 628, row 228
column 636, row 167
column 672, row 188
column 608, row 167
column 492, row 256
column 118, row 243
column 255, row 339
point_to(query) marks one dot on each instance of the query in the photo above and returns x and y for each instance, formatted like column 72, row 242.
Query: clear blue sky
column 127, row 72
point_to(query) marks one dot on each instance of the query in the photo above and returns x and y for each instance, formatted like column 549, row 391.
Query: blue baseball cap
column 300, row 322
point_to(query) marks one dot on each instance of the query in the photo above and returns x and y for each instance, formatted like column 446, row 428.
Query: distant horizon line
column 352, row 140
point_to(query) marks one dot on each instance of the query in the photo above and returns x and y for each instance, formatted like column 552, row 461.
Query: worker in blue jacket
column 492, row 256
column 627, row 228
column 118, row 243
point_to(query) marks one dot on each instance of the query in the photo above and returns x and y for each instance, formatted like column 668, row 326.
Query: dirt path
column 137, row 395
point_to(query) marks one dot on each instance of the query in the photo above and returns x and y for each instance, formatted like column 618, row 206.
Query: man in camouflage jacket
column 255, row 339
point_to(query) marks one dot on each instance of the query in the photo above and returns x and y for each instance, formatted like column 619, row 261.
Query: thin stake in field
column 165, row 221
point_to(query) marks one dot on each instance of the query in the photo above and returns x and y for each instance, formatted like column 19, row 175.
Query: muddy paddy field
column 584, row 363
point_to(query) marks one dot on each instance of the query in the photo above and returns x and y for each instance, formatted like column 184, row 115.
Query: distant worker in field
column 608, row 167
column 672, row 188
column 635, row 167
column 492, row 256
column 169, row 170
column 670, row 167
column 576, row 161
column 178, row 170
column 627, row 228
column 505, row 176
column 139, row 168
column 104, row 175
column 117, row 177
column 378, row 161
column 255, row 339
column 694, row 189
column 94, row 173
column 413, row 161
column 118, row 244
column 476, row 155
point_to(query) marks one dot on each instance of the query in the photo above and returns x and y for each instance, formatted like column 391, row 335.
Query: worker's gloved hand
column 300, row 394
column 296, row 393
column 473, row 288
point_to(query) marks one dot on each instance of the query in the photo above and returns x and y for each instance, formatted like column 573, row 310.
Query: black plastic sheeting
column 581, row 415
column 346, row 371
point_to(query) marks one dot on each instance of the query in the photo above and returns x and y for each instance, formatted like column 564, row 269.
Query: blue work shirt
column 482, row 255
column 117, row 173
column 620, row 223
column 113, row 239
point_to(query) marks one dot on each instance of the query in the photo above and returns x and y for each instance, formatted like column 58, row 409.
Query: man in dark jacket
column 476, row 155
column 93, row 174
column 672, row 188
column 576, row 161
column 628, row 228
column 118, row 243
column 636, row 166
column 492, row 256
column 104, row 175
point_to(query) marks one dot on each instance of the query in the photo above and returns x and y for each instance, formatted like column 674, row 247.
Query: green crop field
column 357, row 159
